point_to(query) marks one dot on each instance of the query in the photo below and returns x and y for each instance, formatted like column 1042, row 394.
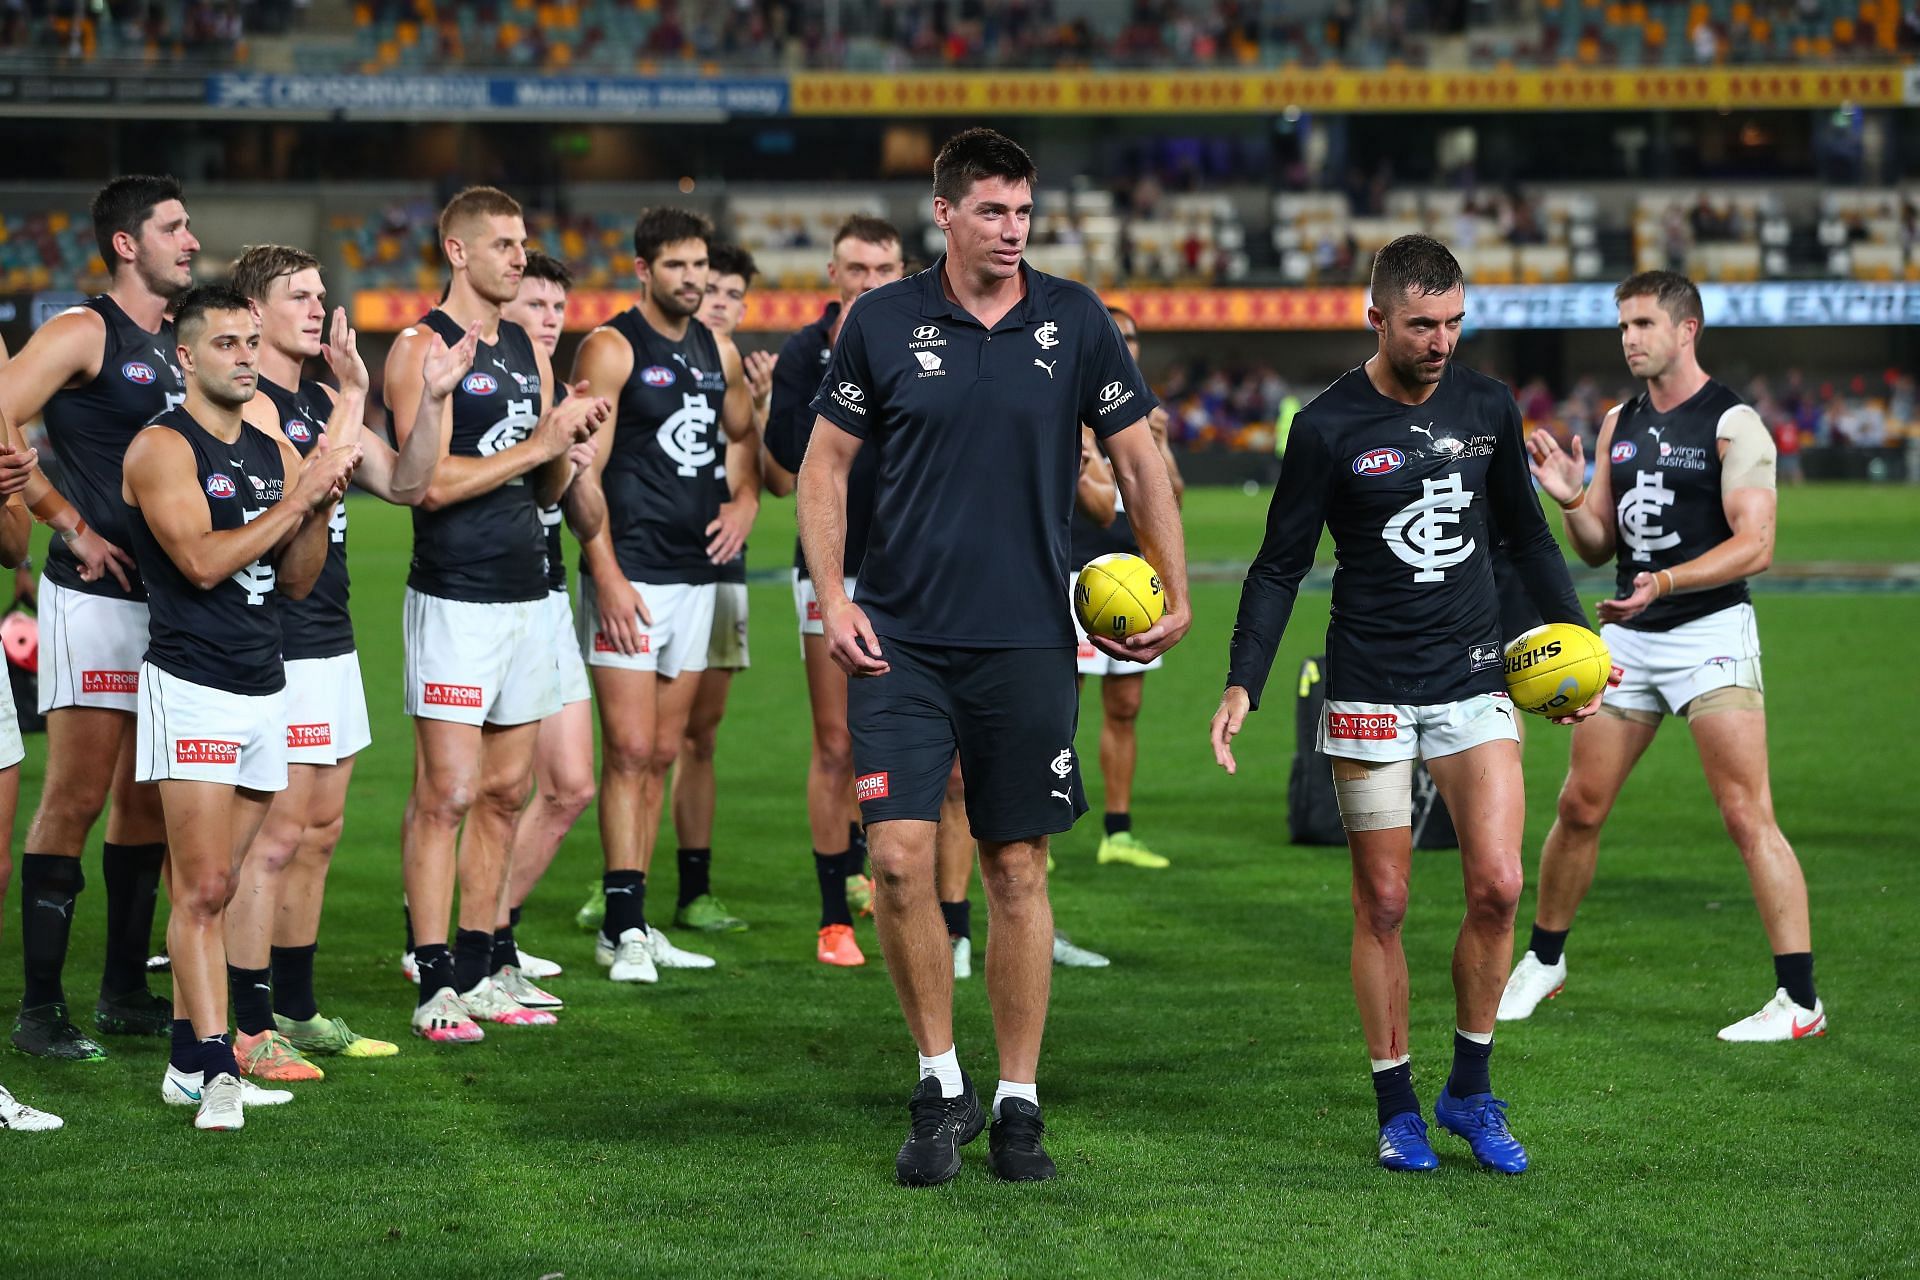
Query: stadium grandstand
column 988, row 34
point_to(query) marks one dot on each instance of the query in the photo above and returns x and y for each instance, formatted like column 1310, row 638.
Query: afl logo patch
column 299, row 432
column 657, row 375
column 1624, row 451
column 141, row 375
column 480, row 384
column 220, row 485
column 1379, row 462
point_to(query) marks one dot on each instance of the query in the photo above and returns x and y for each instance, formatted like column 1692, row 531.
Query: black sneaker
column 941, row 1126
column 134, row 1013
column 1014, row 1152
column 45, row 1032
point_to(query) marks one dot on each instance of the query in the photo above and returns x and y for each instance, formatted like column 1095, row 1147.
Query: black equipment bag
column 1313, row 814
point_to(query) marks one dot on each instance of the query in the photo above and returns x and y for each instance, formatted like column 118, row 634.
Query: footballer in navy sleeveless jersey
column 796, row 377
column 667, row 444
column 91, row 426
column 321, row 625
column 1664, row 469
column 1415, row 497
column 490, row 548
column 226, row 637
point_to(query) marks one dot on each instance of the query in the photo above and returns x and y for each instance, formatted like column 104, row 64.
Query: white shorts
column 326, row 710
column 1093, row 661
column 187, row 732
column 479, row 663
column 90, row 649
column 1382, row 732
column 574, row 685
column 727, row 643
column 806, row 605
column 1662, row 671
column 12, row 749
column 676, row 642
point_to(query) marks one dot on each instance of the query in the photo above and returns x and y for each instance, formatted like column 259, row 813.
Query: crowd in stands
column 1239, row 407
column 209, row 31
column 893, row 35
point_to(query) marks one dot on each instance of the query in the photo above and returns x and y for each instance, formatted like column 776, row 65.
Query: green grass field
column 1207, row 1095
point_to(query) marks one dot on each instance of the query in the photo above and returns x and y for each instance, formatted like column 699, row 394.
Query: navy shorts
column 1011, row 715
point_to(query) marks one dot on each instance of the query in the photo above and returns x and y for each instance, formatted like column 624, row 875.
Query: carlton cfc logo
column 1379, row 462
column 657, row 376
column 299, row 432
column 138, row 374
column 1624, row 451
column 220, row 485
column 480, row 384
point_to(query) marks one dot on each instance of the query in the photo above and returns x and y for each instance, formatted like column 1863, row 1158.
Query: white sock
column 944, row 1067
column 1387, row 1064
column 1013, row 1089
column 1478, row 1037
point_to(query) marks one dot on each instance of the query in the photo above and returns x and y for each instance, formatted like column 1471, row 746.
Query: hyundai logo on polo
column 480, row 384
column 657, row 375
column 1379, row 462
column 220, row 485
column 1624, row 451
column 139, row 374
column 927, row 332
column 1110, row 392
column 855, row 394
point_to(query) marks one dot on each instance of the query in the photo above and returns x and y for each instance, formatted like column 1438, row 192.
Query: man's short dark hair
column 125, row 204
column 973, row 154
column 730, row 260
column 867, row 228
column 190, row 309
column 1121, row 313
column 544, row 266
column 255, row 270
column 1675, row 294
column 472, row 204
column 656, row 227
column 1413, row 264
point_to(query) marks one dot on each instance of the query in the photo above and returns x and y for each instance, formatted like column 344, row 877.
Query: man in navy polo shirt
column 972, row 379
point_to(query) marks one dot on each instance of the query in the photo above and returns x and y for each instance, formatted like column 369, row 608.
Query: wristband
column 1577, row 503
column 70, row 536
column 1666, row 590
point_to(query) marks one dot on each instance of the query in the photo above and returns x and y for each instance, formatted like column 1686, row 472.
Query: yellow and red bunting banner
column 783, row 311
column 1331, row 89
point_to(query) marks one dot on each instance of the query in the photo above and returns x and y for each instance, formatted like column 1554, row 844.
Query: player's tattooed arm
column 16, row 522
column 65, row 352
column 601, row 367
column 1095, row 491
column 1586, row 510
column 1142, row 476
column 585, row 503
column 736, row 411
column 727, row 533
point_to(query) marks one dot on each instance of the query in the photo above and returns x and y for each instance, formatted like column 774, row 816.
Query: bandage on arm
column 1748, row 462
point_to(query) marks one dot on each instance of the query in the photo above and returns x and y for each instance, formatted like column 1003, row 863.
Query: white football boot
column 1530, row 983
column 630, row 960
column 668, row 956
column 1779, row 1019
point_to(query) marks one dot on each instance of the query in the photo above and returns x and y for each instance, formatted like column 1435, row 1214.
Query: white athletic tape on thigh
column 1378, row 801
